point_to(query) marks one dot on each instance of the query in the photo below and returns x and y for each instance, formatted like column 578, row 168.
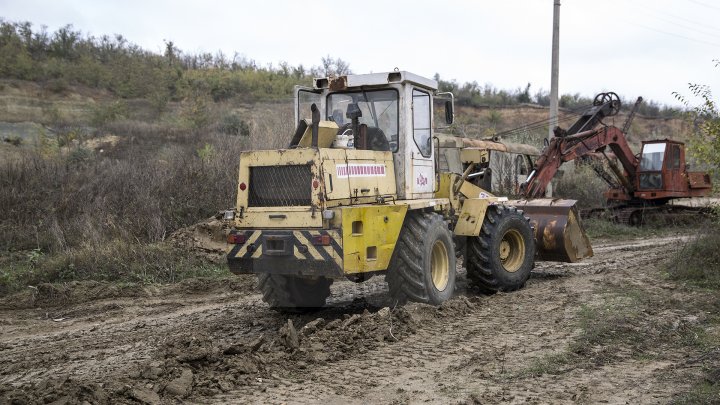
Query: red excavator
column 645, row 183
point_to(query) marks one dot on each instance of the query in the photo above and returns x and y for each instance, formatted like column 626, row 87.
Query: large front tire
column 502, row 256
column 422, row 268
column 292, row 293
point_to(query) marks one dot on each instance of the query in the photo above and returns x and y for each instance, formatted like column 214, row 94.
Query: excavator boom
column 570, row 147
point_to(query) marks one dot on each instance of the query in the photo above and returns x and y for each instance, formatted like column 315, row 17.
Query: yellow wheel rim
column 439, row 266
column 512, row 250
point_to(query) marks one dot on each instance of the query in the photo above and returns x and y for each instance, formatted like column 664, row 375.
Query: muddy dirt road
column 611, row 330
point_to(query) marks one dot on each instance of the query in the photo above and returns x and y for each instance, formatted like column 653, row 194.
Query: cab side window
column 421, row 122
column 674, row 162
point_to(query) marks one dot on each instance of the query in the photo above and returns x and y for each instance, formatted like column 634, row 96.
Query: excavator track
column 646, row 215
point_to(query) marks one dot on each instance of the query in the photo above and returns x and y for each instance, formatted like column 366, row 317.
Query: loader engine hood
column 279, row 189
column 291, row 188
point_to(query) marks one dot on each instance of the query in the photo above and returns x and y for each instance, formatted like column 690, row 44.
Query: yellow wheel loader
column 359, row 192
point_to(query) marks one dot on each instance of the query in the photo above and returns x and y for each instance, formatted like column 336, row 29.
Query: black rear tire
column 502, row 256
column 422, row 268
column 293, row 293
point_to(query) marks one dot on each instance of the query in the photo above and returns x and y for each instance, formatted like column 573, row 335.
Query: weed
column 705, row 392
column 14, row 140
column 116, row 261
column 553, row 364
column 34, row 255
column 601, row 228
column 206, row 152
column 704, row 268
column 79, row 155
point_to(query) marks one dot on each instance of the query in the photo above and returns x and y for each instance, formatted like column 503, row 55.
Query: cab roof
column 346, row 82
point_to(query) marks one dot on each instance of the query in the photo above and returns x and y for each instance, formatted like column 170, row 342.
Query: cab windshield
column 652, row 157
column 379, row 112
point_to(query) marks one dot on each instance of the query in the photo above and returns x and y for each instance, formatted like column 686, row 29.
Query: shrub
column 232, row 124
column 582, row 184
column 79, row 155
column 14, row 140
column 147, row 186
column 196, row 113
column 106, row 113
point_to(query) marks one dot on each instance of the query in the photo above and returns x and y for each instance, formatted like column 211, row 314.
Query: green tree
column 705, row 141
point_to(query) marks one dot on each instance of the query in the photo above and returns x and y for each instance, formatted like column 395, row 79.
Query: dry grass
column 97, row 210
column 704, row 268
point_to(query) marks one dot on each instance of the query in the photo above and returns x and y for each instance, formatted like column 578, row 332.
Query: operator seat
column 376, row 140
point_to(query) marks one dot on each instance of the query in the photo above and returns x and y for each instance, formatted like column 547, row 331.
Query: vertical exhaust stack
column 559, row 234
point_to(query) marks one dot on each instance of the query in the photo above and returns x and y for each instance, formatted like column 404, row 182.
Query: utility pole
column 554, row 73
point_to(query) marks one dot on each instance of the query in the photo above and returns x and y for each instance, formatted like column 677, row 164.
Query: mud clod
column 290, row 336
column 144, row 396
column 181, row 386
column 312, row 326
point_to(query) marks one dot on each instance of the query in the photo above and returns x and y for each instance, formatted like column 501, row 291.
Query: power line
column 675, row 35
column 541, row 124
column 716, row 35
column 705, row 4
column 645, row 7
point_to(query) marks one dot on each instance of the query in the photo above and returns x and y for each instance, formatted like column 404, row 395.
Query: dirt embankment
column 607, row 330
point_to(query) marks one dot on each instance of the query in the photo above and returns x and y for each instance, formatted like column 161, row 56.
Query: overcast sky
column 633, row 47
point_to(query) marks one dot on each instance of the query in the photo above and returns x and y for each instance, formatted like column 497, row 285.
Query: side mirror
column 449, row 113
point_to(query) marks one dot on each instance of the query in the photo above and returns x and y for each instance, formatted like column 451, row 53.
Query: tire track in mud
column 236, row 350
column 470, row 353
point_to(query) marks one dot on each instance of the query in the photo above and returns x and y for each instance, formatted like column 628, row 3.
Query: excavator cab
column 663, row 175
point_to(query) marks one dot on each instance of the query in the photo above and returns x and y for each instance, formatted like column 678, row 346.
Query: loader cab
column 396, row 112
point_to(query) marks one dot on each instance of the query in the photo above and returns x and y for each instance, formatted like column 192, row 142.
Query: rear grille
column 280, row 186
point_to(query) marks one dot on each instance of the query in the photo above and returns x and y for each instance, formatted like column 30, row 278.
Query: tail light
column 236, row 238
column 321, row 240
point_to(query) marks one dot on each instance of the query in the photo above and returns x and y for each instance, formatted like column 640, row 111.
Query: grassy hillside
column 107, row 148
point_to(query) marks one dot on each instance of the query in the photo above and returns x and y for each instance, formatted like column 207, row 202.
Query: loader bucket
column 559, row 234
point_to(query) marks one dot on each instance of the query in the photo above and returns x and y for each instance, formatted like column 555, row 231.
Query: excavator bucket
column 559, row 235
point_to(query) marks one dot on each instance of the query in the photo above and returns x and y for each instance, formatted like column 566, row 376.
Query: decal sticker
column 360, row 170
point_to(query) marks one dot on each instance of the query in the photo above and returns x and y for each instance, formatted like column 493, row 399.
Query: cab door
column 673, row 173
column 422, row 176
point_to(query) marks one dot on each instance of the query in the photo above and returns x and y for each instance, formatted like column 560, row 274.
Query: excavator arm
column 568, row 148
column 583, row 139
